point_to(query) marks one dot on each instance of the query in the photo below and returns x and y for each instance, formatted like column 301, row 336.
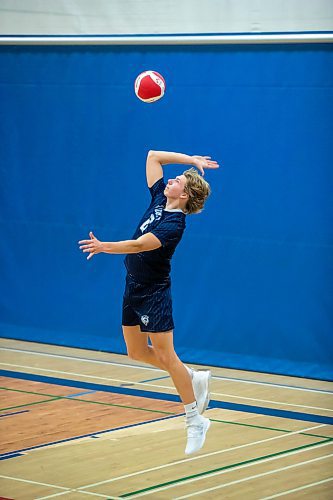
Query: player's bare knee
column 166, row 358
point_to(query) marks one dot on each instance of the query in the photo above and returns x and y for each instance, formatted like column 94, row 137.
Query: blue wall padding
column 252, row 278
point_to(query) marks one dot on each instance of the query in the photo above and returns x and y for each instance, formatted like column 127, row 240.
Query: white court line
column 76, row 374
column 200, row 457
column 146, row 384
column 81, row 492
column 84, row 360
column 259, row 462
column 272, row 384
column 54, row 495
column 252, row 477
column 98, row 494
column 127, row 365
column 268, row 401
column 68, row 490
column 35, row 482
column 298, row 489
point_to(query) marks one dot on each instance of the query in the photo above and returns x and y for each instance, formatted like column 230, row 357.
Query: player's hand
column 92, row 246
column 202, row 162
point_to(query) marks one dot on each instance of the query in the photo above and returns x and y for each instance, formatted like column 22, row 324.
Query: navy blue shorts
column 148, row 305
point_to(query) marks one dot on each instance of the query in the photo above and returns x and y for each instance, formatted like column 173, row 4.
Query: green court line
column 124, row 406
column 267, row 428
column 27, row 392
column 29, row 404
column 167, row 413
column 83, row 401
column 219, row 469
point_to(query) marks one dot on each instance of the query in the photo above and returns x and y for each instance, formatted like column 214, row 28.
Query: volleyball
column 149, row 86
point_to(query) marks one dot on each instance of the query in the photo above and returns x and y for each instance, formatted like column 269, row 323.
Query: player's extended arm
column 156, row 159
column 144, row 243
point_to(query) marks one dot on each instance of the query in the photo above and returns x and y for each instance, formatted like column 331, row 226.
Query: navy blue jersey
column 154, row 266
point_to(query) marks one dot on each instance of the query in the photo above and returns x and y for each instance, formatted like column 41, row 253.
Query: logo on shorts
column 145, row 320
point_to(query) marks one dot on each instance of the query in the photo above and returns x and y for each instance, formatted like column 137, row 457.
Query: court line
column 268, row 401
column 83, row 493
column 30, row 404
column 77, row 358
column 67, row 492
column 311, row 485
column 152, row 379
column 34, row 482
column 15, row 413
column 221, row 470
column 123, row 406
column 54, row 495
column 160, row 386
column 267, row 428
column 80, row 394
column 12, row 455
column 179, row 414
column 283, row 386
column 9, row 454
column 199, row 457
column 140, row 367
column 130, row 407
column 262, row 474
column 296, row 432
column 98, row 494
column 53, row 398
column 255, row 382
column 309, row 417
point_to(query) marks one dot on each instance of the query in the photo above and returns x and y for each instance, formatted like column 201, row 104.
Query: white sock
column 191, row 411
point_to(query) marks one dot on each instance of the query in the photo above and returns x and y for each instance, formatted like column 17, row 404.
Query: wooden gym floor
column 82, row 424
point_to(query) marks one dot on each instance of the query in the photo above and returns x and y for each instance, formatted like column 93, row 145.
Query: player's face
column 175, row 187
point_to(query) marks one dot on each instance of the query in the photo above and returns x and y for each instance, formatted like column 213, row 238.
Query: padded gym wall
column 252, row 278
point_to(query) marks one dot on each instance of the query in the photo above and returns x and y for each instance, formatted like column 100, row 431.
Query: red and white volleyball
column 149, row 86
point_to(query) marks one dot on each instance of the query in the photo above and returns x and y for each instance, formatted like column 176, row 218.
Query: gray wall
column 163, row 16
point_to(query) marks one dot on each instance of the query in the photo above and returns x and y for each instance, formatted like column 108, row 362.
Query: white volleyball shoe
column 196, row 433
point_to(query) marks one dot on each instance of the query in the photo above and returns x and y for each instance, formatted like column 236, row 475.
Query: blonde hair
column 197, row 189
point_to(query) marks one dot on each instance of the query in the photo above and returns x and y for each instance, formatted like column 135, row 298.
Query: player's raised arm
column 156, row 159
column 154, row 170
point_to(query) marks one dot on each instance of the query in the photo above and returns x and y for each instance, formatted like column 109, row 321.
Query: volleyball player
column 147, row 303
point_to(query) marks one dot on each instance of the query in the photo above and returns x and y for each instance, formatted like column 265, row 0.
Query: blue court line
column 15, row 413
column 153, row 379
column 13, row 455
column 148, row 368
column 294, row 415
column 17, row 453
column 307, row 417
column 79, row 394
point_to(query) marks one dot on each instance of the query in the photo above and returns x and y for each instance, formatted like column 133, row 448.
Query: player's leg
column 165, row 353
column 196, row 424
column 151, row 308
column 138, row 348
column 181, row 375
